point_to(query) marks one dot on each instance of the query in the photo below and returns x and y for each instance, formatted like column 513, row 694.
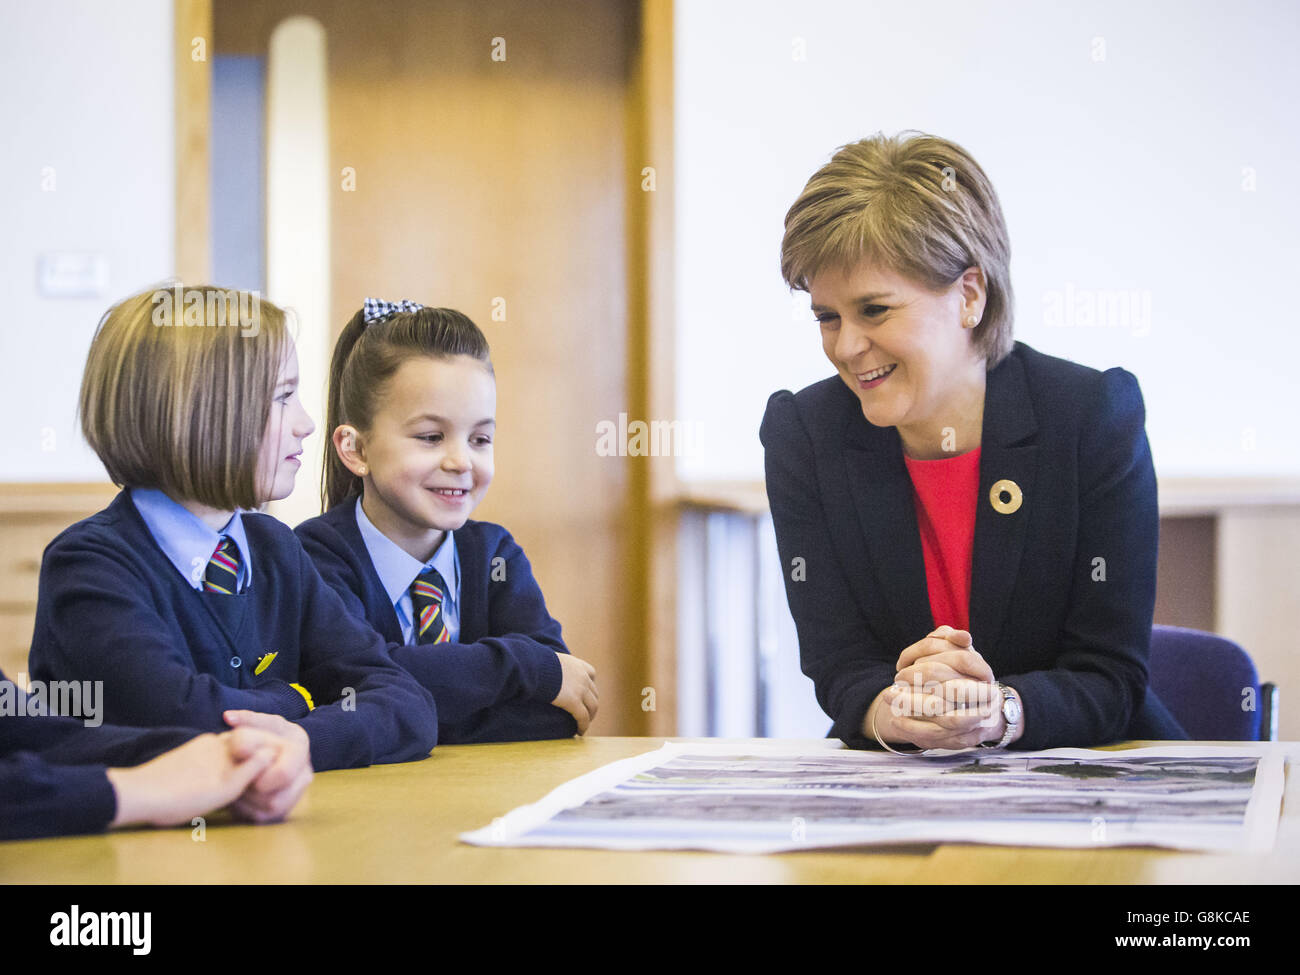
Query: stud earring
column 971, row 321
column 361, row 471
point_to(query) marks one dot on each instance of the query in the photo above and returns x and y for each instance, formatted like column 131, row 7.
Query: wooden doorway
column 488, row 157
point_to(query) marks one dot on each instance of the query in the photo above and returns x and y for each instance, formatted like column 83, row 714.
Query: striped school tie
column 426, row 597
column 222, row 574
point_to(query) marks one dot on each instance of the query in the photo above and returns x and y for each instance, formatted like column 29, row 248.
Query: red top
column 946, row 492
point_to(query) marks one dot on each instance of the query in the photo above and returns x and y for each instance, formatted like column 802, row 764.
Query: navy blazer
column 496, row 682
column 1062, row 590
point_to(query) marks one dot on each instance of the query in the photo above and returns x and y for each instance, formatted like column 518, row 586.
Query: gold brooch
column 1005, row 497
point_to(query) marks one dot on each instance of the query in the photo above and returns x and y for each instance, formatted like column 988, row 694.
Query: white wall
column 85, row 108
column 1122, row 174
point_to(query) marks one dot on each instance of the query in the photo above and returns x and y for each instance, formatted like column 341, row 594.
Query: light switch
column 71, row 274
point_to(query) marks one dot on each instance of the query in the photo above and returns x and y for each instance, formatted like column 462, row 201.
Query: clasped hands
column 943, row 696
column 259, row 769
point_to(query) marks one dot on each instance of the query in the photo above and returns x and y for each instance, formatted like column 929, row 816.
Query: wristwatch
column 1013, row 715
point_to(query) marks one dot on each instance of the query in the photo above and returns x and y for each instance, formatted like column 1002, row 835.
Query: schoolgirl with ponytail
column 411, row 419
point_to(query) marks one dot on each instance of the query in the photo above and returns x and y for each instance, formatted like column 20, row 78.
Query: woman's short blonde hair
column 178, row 388
column 916, row 204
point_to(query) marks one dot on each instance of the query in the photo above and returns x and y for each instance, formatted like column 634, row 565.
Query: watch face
column 1011, row 710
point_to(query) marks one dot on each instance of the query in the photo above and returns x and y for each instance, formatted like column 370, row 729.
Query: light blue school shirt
column 187, row 542
column 397, row 569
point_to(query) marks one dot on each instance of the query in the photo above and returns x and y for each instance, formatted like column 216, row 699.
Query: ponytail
column 337, row 482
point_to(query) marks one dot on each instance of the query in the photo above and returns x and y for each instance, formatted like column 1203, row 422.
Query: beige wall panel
column 1259, row 597
column 30, row 516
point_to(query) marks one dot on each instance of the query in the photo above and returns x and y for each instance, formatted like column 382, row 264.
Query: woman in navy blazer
column 903, row 249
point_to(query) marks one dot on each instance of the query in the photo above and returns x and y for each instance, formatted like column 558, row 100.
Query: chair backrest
column 1208, row 683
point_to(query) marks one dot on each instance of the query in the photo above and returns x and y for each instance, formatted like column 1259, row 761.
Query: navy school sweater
column 53, row 771
column 496, row 682
column 113, row 608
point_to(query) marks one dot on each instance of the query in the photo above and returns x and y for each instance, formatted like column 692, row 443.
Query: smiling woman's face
column 872, row 318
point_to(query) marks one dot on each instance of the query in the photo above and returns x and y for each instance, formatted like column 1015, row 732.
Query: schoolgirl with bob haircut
column 193, row 609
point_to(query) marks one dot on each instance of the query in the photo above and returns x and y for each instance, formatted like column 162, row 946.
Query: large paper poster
column 766, row 799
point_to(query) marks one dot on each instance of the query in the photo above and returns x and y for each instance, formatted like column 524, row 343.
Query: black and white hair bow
column 374, row 309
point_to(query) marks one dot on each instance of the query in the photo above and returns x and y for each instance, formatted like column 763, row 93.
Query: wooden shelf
column 1179, row 496
column 1207, row 496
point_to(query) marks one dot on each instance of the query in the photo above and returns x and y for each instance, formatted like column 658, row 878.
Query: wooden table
column 399, row 824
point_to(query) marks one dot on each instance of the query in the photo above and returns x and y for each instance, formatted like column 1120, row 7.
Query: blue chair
column 1203, row 679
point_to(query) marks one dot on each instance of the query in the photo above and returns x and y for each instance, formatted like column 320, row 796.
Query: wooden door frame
column 652, row 324
column 192, row 85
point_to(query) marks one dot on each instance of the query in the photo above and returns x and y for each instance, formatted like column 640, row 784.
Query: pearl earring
column 971, row 321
